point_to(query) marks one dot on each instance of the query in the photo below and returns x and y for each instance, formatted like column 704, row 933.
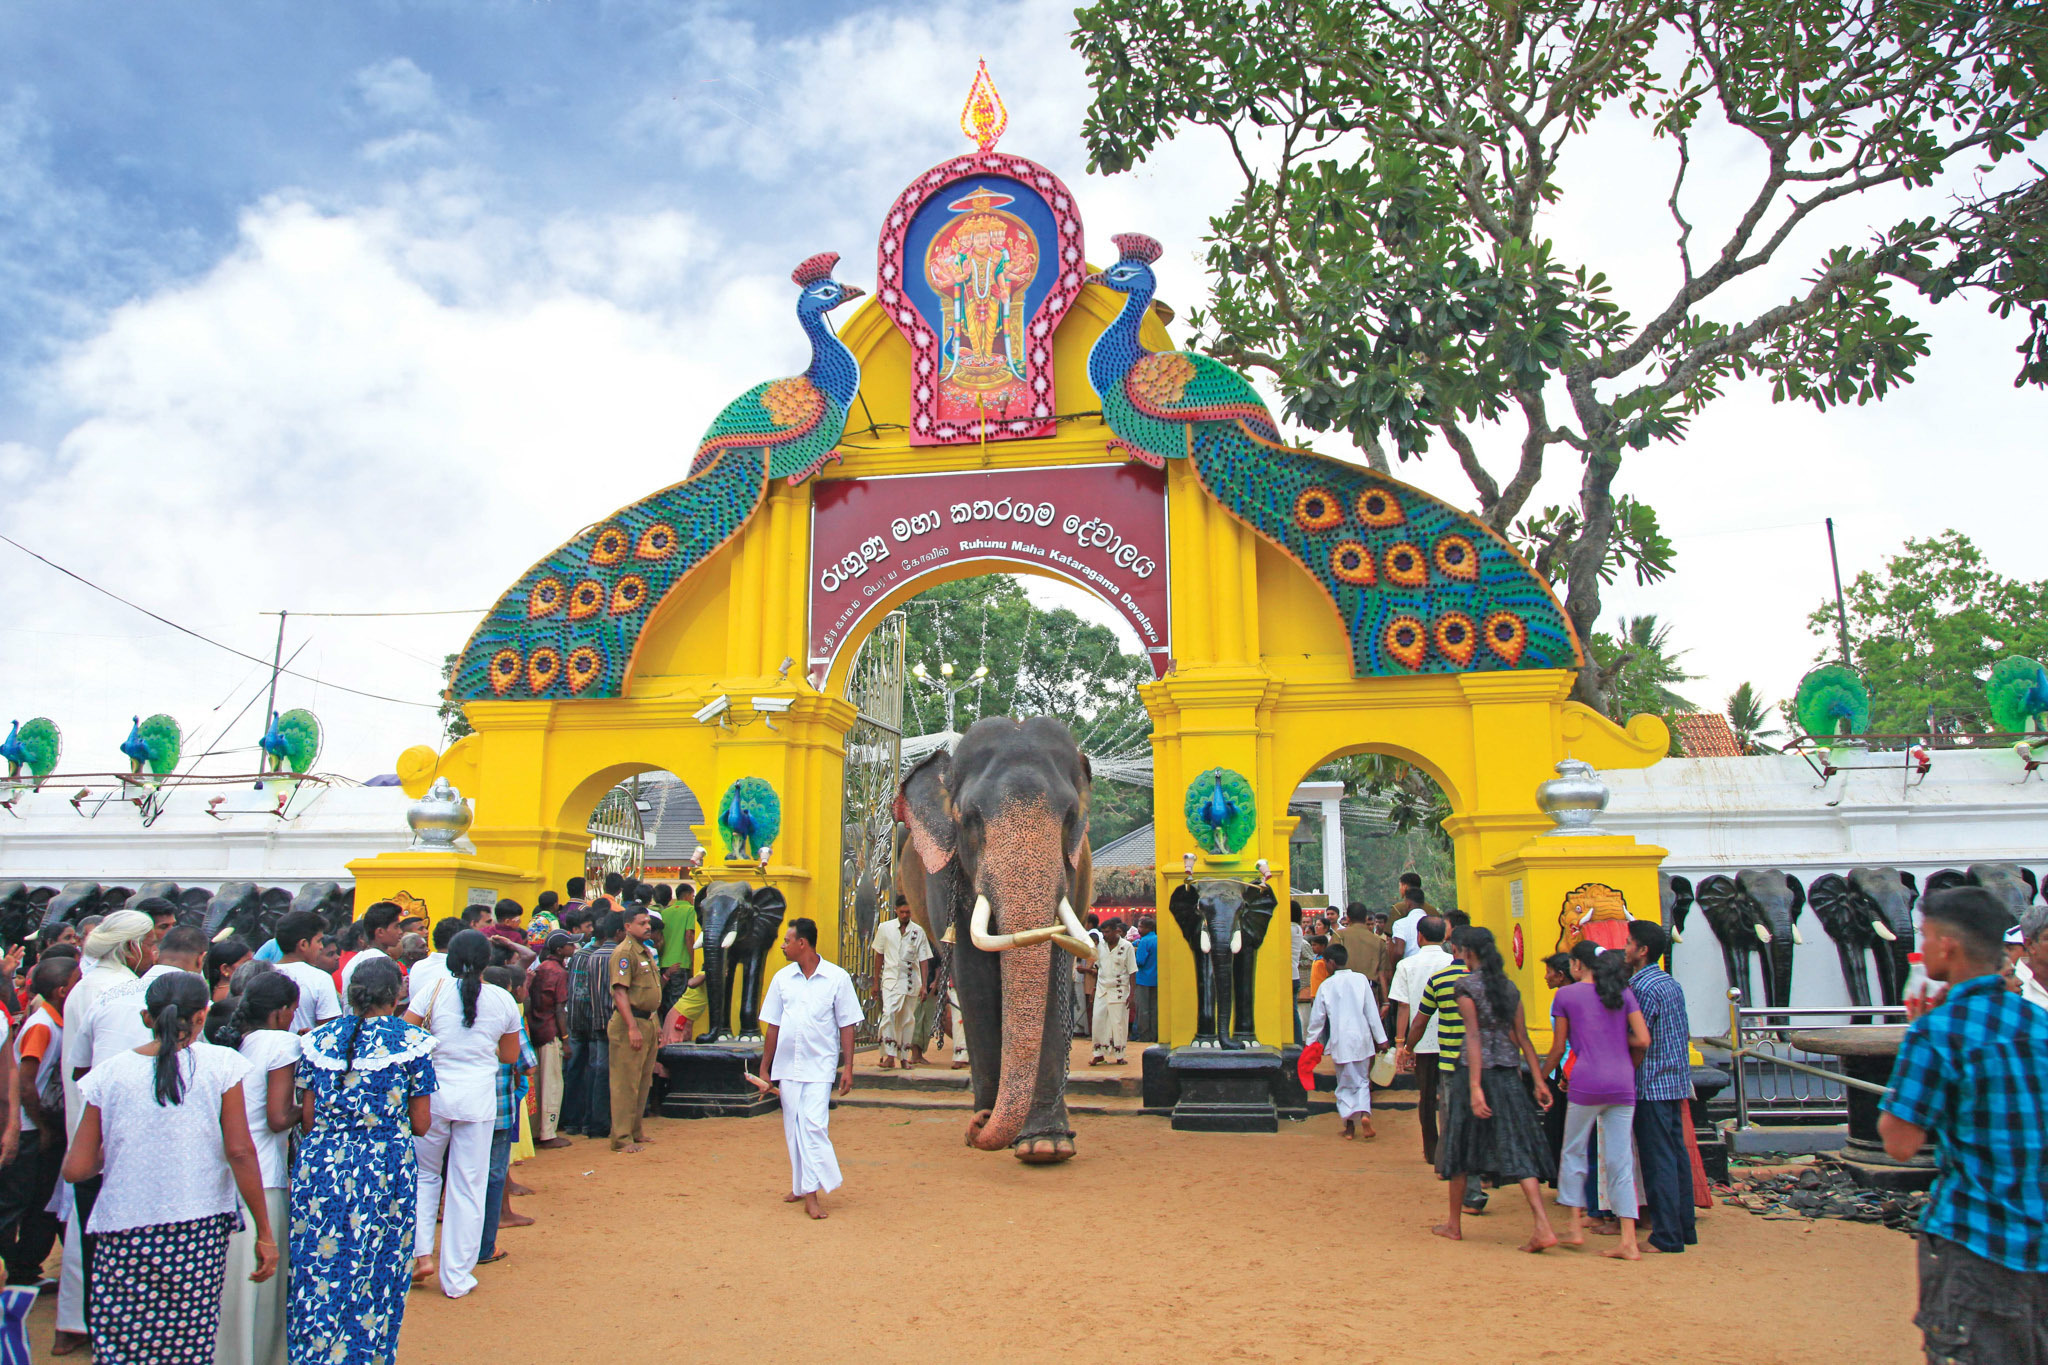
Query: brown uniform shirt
column 1366, row 951
column 634, row 967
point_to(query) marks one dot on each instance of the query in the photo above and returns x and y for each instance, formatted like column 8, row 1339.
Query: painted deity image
column 980, row 265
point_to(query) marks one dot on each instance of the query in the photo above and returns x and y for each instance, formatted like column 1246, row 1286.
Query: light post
column 946, row 687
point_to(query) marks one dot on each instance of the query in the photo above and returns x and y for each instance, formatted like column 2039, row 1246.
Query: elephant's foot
column 1043, row 1151
column 974, row 1125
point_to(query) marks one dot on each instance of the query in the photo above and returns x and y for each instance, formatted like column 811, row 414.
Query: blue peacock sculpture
column 153, row 744
column 567, row 628
column 291, row 741
column 1832, row 701
column 35, row 746
column 1421, row 586
column 2018, row 693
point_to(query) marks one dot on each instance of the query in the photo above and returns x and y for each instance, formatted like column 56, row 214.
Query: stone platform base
column 1869, row 1167
column 1226, row 1092
column 708, row 1081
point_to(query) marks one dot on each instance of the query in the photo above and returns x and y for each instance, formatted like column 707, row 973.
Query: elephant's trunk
column 1222, row 986
column 1023, row 872
column 717, row 991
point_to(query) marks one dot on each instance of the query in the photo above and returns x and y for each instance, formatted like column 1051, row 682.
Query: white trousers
column 550, row 1089
column 1112, row 1026
column 252, row 1315
column 1354, row 1088
column 899, row 1022
column 466, row 1148
column 71, row 1279
column 806, row 1116
column 959, row 1025
column 1616, row 1123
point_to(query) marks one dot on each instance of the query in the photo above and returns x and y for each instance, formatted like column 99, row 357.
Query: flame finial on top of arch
column 984, row 117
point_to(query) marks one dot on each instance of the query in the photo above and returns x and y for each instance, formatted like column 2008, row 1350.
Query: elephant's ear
column 1798, row 894
column 766, row 900
column 1260, row 900
column 911, row 883
column 922, row 805
column 1185, row 905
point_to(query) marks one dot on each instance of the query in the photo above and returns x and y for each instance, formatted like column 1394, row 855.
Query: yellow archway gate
column 708, row 629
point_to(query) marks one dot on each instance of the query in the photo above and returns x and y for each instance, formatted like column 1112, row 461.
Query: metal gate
column 618, row 840
column 874, row 752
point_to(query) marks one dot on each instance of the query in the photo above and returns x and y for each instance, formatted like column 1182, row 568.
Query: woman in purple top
column 1601, row 1022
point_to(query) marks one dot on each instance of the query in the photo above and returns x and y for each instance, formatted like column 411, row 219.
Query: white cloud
column 397, row 89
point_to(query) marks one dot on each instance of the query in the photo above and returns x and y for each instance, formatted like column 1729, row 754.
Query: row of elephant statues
column 248, row 911
column 1867, row 912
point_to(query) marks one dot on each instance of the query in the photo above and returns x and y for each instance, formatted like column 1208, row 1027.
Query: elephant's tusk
column 1073, row 922
column 1763, row 935
column 1677, row 937
column 1079, row 947
column 1796, row 938
column 731, row 937
column 1884, row 931
column 1236, row 942
column 977, row 930
column 1205, row 941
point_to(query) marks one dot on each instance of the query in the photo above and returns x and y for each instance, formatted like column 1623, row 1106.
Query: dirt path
column 1151, row 1246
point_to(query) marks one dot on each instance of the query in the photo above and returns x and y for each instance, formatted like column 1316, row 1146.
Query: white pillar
column 1327, row 795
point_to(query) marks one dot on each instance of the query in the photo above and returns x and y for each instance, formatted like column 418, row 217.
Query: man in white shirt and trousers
column 1116, row 965
column 1346, row 1005
column 807, row 1052
column 901, row 952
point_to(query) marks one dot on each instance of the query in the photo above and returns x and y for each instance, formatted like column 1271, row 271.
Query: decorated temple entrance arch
column 1293, row 606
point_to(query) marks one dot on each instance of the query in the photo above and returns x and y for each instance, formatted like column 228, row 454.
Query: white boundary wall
column 1772, row 811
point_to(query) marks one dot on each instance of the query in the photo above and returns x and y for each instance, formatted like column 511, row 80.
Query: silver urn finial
column 439, row 818
column 1574, row 798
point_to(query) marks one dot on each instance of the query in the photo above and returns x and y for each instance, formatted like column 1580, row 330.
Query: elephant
column 1756, row 911
column 72, row 904
column 237, row 909
column 194, row 902
column 1869, row 910
column 162, row 890
column 17, row 913
column 1224, row 923
column 330, row 900
column 999, row 829
column 739, row 923
column 2011, row 883
column 1675, row 896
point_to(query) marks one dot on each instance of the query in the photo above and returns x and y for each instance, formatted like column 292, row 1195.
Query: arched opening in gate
column 1371, row 817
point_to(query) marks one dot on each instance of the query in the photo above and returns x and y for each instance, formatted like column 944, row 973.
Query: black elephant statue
column 2011, row 883
column 999, row 828
column 72, row 904
column 1675, row 898
column 1868, row 911
column 237, row 909
column 1224, row 923
column 194, row 903
column 18, row 916
column 114, row 898
column 1755, row 911
column 162, row 890
column 329, row 900
column 738, row 924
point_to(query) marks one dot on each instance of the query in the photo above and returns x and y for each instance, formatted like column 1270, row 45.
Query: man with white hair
column 2032, row 967
column 119, row 947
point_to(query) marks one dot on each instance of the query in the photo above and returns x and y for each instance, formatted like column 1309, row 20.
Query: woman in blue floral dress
column 367, row 1079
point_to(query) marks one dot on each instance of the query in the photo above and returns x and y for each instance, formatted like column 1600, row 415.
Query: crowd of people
column 251, row 1154
column 1602, row 1117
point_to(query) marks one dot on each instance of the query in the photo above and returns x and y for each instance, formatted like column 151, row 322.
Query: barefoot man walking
column 809, row 1014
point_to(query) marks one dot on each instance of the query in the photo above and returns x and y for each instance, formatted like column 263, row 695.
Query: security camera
column 713, row 709
column 772, row 703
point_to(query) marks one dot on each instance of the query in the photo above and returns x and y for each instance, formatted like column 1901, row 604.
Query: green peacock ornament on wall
column 2017, row 693
column 749, row 818
column 33, row 747
column 1832, row 702
column 1221, row 811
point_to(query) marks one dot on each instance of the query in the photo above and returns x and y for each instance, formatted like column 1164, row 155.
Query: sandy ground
column 1151, row 1245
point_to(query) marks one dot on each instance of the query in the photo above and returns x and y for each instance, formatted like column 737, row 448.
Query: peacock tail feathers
column 1832, row 700
column 749, row 817
column 1421, row 586
column 300, row 730
column 33, row 745
column 159, row 734
column 1221, row 810
column 2018, row 693
column 795, row 423
column 568, row 626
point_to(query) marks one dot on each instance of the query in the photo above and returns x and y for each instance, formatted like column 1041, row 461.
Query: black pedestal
column 1707, row 1082
column 708, row 1081
column 1226, row 1092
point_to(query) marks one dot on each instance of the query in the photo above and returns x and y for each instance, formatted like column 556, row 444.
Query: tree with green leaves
column 1638, row 669
column 454, row 724
column 1927, row 628
column 1040, row 662
column 1750, row 719
column 1388, row 265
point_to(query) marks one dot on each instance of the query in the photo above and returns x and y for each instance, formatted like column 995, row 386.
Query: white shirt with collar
column 808, row 1012
column 115, row 1024
column 428, row 970
column 107, row 973
column 2030, row 985
column 1347, row 1005
column 1411, row 979
column 1405, row 929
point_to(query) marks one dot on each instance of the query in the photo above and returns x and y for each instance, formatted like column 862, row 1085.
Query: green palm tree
column 1638, row 668
column 1748, row 717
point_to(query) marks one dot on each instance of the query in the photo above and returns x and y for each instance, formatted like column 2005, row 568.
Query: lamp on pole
column 946, row 687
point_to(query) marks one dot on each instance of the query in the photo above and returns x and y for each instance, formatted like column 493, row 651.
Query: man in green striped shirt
column 1438, row 1002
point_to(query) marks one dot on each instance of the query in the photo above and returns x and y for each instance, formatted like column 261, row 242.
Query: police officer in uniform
column 635, row 1032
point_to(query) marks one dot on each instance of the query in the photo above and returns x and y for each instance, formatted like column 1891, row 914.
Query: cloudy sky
column 358, row 308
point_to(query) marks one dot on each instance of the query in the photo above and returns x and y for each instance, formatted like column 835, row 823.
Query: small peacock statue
column 2018, row 694
column 1217, row 811
column 153, row 744
column 1832, row 702
column 749, row 818
column 35, row 745
column 291, row 741
column 1421, row 586
column 568, row 626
